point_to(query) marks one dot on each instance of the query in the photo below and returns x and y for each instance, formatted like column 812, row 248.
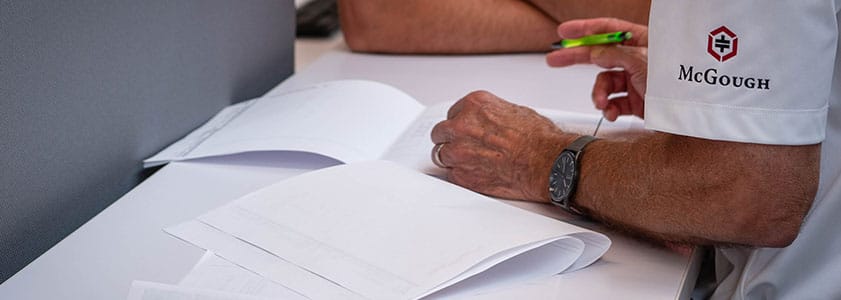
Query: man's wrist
column 545, row 158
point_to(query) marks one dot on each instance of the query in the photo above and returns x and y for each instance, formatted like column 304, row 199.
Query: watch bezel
column 560, row 193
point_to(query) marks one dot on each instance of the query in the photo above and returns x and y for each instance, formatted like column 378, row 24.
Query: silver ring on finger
column 436, row 155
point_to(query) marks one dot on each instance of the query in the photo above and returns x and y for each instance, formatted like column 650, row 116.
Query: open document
column 348, row 120
column 378, row 230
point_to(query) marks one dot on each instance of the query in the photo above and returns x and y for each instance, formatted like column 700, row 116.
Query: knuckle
column 457, row 127
column 478, row 97
column 596, row 53
column 478, row 94
column 438, row 130
column 444, row 131
column 449, row 154
column 460, row 154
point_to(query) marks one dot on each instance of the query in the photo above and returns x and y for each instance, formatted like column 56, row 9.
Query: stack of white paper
column 215, row 273
column 375, row 230
column 369, row 230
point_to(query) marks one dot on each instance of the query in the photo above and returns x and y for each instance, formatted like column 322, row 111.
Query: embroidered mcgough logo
column 722, row 44
column 711, row 77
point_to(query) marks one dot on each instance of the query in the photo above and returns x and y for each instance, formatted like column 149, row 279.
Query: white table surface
column 125, row 241
column 521, row 78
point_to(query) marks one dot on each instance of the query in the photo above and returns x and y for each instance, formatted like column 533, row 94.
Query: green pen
column 596, row 39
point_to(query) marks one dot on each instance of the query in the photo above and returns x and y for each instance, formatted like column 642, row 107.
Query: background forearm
column 564, row 10
column 445, row 26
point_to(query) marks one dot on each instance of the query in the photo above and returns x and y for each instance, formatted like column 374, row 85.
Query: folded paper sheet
column 212, row 272
column 377, row 230
column 347, row 120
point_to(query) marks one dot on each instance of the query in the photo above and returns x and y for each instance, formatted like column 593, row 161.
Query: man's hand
column 498, row 148
column 631, row 56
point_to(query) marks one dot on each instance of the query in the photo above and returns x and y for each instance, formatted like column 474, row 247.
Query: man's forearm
column 444, row 26
column 659, row 185
column 564, row 10
column 684, row 189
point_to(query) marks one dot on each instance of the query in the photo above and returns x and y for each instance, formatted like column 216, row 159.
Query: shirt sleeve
column 746, row 71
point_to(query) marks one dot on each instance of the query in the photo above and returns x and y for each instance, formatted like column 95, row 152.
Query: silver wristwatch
column 564, row 176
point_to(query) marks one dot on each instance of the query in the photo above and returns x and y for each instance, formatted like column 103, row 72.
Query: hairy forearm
column 663, row 186
column 444, row 26
column 698, row 191
column 564, row 10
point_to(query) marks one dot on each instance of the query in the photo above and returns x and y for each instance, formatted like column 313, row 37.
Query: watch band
column 579, row 143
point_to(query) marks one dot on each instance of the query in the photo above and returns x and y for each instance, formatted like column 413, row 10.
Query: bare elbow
column 374, row 39
column 778, row 205
column 753, row 194
column 781, row 232
column 356, row 42
column 779, row 235
column 365, row 41
column 766, row 222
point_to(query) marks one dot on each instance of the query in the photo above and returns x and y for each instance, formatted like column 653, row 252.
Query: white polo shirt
column 758, row 72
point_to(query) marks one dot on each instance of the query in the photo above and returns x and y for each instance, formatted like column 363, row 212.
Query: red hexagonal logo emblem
column 722, row 44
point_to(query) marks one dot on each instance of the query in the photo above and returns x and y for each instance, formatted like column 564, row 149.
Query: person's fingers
column 466, row 153
column 583, row 27
column 467, row 129
column 471, row 101
column 442, row 132
column 637, row 106
column 622, row 106
column 477, row 178
column 611, row 112
column 568, row 57
column 630, row 59
column 608, row 83
column 455, row 109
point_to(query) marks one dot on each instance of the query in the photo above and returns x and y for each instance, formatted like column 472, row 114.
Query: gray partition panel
column 90, row 88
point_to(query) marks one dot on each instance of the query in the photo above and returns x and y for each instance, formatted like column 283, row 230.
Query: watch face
column 563, row 175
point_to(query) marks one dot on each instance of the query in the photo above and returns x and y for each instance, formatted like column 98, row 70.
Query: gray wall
column 90, row 88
